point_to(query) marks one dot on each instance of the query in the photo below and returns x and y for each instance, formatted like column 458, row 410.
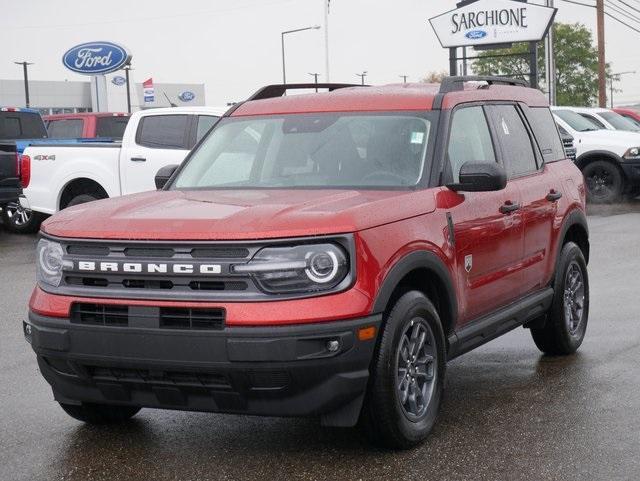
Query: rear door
column 523, row 154
column 487, row 229
column 160, row 140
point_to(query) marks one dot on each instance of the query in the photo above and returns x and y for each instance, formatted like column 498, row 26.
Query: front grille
column 153, row 377
column 569, row 149
column 148, row 317
column 100, row 315
column 187, row 318
column 156, row 270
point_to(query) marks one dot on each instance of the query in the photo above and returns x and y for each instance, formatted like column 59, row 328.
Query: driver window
column 470, row 140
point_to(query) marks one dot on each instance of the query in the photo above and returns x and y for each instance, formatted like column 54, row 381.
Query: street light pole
column 404, row 78
column 25, row 64
column 362, row 76
column 284, row 69
column 126, row 74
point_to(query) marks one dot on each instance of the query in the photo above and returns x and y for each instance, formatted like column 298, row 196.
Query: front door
column 487, row 225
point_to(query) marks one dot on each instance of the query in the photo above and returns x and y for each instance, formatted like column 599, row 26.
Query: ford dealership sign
column 489, row 22
column 96, row 58
column 187, row 96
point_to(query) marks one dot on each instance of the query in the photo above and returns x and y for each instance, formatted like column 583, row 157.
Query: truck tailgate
column 9, row 176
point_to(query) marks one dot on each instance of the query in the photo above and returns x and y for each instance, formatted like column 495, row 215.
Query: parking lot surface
column 509, row 413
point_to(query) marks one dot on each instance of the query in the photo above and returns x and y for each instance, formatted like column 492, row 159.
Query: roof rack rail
column 278, row 90
column 455, row 84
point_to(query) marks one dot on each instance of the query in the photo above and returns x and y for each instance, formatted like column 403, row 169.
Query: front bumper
column 631, row 170
column 272, row 371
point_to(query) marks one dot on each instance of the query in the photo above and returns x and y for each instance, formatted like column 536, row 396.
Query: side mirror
column 163, row 175
column 480, row 177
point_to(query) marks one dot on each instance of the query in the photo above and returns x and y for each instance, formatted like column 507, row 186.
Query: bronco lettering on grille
column 148, row 267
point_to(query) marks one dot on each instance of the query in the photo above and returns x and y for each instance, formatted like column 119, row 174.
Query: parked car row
column 607, row 150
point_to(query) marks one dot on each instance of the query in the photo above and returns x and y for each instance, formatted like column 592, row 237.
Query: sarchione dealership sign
column 487, row 22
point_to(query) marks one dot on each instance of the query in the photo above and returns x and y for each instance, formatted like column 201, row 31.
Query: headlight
column 632, row 153
column 303, row 268
column 50, row 262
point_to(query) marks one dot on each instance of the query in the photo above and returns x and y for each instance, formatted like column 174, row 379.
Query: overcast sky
column 233, row 46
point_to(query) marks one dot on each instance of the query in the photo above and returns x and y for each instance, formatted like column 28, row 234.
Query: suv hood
column 612, row 137
column 237, row 214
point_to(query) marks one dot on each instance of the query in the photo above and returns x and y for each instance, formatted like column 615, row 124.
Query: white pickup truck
column 68, row 174
column 608, row 159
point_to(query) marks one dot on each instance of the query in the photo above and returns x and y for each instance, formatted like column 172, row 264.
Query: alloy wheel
column 574, row 297
column 17, row 214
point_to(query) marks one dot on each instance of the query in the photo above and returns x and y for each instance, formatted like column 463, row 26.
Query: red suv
column 320, row 255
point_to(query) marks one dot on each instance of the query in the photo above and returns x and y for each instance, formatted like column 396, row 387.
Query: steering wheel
column 382, row 174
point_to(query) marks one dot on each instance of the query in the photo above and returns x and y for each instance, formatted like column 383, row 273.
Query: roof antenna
column 168, row 100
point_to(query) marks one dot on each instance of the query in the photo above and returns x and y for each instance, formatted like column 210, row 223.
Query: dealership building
column 57, row 97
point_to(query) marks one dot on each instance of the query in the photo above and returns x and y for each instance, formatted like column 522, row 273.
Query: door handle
column 508, row 207
column 138, row 159
column 553, row 195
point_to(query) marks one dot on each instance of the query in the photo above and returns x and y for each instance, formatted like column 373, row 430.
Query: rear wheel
column 405, row 390
column 82, row 199
column 20, row 220
column 604, row 181
column 566, row 323
column 100, row 413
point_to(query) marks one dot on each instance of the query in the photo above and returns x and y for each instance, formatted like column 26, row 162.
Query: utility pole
column 550, row 61
column 404, row 78
column 315, row 79
column 602, row 74
column 295, row 30
column 615, row 77
column 25, row 64
column 362, row 76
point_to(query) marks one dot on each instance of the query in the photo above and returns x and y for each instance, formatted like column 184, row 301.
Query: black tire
column 385, row 419
column 604, row 181
column 562, row 334
column 16, row 218
column 100, row 413
column 81, row 199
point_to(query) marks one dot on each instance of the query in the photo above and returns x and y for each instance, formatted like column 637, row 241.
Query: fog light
column 333, row 346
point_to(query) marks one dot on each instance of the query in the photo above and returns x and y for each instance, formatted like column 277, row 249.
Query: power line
column 611, row 16
column 621, row 10
column 630, row 6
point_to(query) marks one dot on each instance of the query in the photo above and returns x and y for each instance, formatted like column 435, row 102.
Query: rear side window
column 65, row 128
column 112, row 127
column 517, row 150
column 163, row 131
column 205, row 122
column 594, row 121
column 544, row 128
column 470, row 140
column 21, row 125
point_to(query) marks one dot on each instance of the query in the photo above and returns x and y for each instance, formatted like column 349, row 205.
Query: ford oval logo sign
column 475, row 34
column 118, row 80
column 96, row 58
column 187, row 96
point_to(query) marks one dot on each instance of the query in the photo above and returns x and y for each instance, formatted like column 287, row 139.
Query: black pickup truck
column 10, row 188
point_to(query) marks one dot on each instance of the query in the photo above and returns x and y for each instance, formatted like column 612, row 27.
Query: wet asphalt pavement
column 509, row 412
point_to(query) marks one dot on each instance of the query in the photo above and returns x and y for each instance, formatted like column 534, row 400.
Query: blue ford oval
column 475, row 34
column 95, row 58
column 187, row 96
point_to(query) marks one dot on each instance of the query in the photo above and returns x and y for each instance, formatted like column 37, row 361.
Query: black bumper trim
column 273, row 371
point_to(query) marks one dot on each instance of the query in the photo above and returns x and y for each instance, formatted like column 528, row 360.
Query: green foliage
column 576, row 64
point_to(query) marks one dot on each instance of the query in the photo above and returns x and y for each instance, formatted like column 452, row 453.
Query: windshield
column 576, row 121
column 619, row 122
column 317, row 150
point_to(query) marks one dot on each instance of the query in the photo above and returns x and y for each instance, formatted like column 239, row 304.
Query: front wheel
column 566, row 323
column 20, row 220
column 100, row 413
column 604, row 182
column 405, row 389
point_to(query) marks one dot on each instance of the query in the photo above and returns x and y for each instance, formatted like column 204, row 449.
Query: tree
column 576, row 64
column 434, row 77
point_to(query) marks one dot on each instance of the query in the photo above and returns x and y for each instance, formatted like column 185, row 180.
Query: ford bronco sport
column 320, row 255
